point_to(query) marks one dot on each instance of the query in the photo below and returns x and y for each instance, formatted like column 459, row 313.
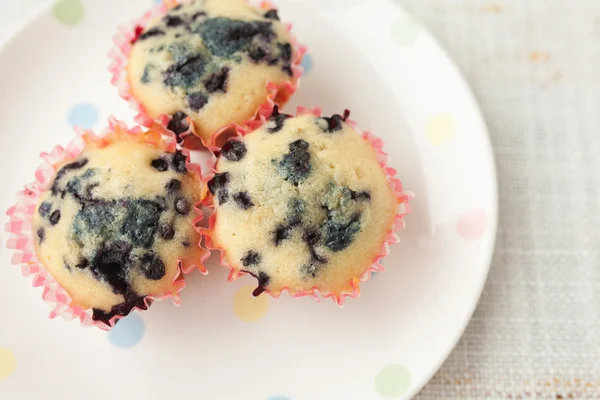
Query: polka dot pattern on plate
column 307, row 63
column 68, row 12
column 405, row 31
column 440, row 129
column 247, row 307
column 393, row 381
column 279, row 398
column 128, row 332
column 84, row 115
column 472, row 224
column 8, row 363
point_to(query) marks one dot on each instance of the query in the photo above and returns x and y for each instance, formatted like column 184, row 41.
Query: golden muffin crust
column 115, row 222
column 301, row 203
column 210, row 60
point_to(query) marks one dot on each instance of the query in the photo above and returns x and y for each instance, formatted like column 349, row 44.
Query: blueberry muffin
column 301, row 203
column 116, row 223
column 208, row 62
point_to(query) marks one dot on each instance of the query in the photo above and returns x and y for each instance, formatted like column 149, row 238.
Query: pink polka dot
column 472, row 224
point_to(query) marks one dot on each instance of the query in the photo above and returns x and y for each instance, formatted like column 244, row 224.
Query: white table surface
column 535, row 68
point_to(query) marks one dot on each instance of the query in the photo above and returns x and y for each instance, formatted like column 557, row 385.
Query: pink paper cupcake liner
column 119, row 56
column 20, row 223
column 376, row 266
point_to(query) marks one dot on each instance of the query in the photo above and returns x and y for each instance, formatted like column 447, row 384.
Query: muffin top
column 210, row 60
column 114, row 224
column 301, row 203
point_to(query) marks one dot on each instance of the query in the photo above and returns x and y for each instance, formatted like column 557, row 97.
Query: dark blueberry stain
column 272, row 14
column 197, row 101
column 334, row 123
column 160, row 164
column 67, row 266
column 151, row 33
column 296, row 209
column 251, row 258
column 141, row 222
column 217, row 82
column 45, row 208
column 147, row 71
column 64, row 170
column 223, row 196
column 137, row 220
column 161, row 202
column 263, row 281
column 294, row 218
column 339, row 235
column 185, row 73
column 225, row 36
column 198, row 15
column 123, row 309
column 287, row 69
column 55, row 217
column 285, row 51
column 177, row 7
column 276, row 120
column 111, row 265
column 41, row 234
column 83, row 264
column 258, row 53
column 233, row 150
column 180, row 51
column 178, row 124
column 173, row 21
column 295, row 165
column 186, row 243
column 220, row 180
column 312, row 239
column 166, row 231
column 152, row 266
column 96, row 219
column 243, row 200
column 81, row 187
column 179, row 161
column 173, row 185
column 364, row 195
column 281, row 233
column 182, row 206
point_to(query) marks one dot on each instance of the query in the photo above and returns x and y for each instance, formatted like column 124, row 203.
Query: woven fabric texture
column 535, row 68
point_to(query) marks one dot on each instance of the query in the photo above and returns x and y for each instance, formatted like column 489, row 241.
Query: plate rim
column 472, row 104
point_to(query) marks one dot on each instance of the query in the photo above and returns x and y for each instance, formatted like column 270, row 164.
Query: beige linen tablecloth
column 534, row 66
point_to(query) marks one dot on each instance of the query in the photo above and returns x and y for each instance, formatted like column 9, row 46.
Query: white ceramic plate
column 368, row 56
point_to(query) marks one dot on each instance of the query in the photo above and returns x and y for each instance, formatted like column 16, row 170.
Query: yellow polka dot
column 8, row 362
column 247, row 307
column 440, row 129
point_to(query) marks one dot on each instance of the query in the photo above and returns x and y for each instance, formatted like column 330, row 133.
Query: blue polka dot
column 279, row 398
column 373, row 274
column 157, row 1
column 84, row 115
column 128, row 331
column 307, row 63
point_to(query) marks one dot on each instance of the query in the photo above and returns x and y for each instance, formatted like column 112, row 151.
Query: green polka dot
column 405, row 31
column 68, row 12
column 393, row 381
